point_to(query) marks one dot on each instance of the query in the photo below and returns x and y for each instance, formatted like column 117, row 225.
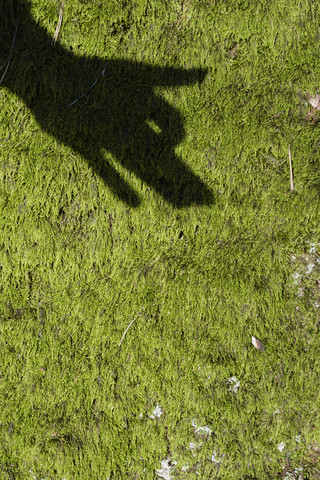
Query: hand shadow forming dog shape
column 113, row 116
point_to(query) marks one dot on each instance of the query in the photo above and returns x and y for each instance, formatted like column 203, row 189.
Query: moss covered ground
column 161, row 197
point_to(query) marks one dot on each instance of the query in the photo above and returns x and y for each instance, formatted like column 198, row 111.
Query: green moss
column 79, row 262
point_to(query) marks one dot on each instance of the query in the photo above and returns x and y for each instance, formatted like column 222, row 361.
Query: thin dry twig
column 279, row 114
column 56, row 33
column 290, row 163
column 128, row 328
column 10, row 54
column 94, row 83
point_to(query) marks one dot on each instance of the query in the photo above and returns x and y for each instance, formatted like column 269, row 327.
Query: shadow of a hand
column 115, row 115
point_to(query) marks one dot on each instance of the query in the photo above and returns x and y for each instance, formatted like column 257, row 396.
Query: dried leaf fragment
column 315, row 101
column 259, row 345
column 233, row 53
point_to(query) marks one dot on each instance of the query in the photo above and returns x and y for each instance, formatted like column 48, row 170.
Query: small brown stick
column 279, row 114
column 94, row 83
column 56, row 33
column 10, row 54
column 291, row 175
column 128, row 328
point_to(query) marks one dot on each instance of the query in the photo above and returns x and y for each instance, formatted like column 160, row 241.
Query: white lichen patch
column 310, row 267
column 236, row 384
column 205, row 430
column 157, row 412
column 214, row 458
column 166, row 469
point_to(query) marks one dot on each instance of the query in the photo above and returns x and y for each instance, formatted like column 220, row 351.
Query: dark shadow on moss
column 113, row 116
